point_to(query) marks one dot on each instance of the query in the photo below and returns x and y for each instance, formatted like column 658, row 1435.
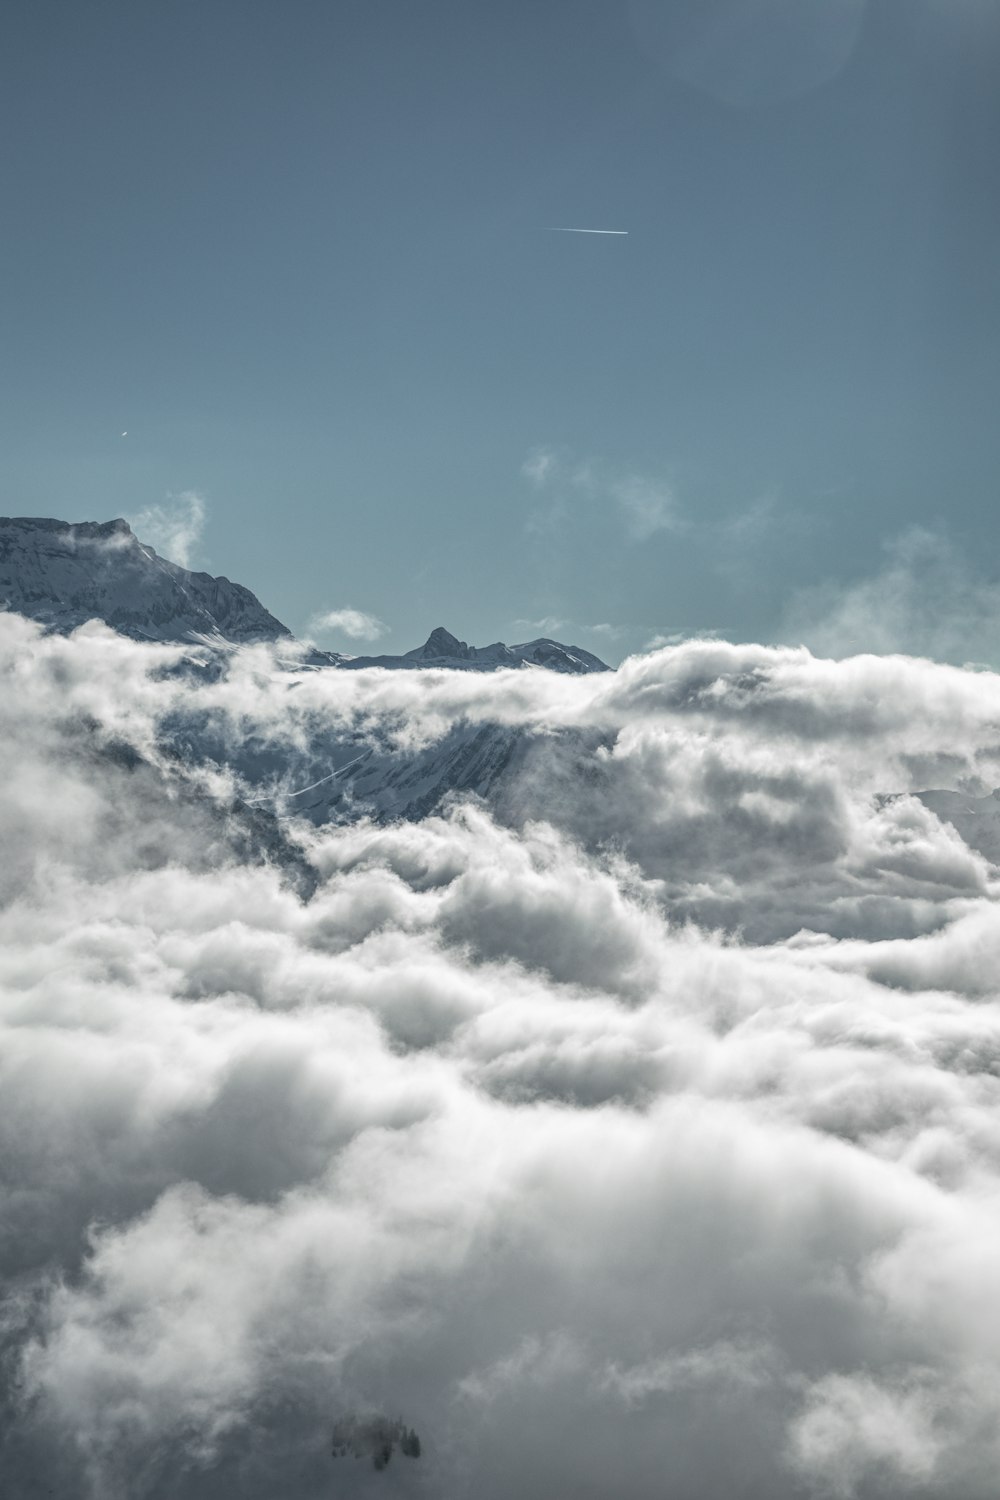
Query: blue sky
column 299, row 252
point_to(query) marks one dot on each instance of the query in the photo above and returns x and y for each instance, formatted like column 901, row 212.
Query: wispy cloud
column 927, row 599
column 539, row 465
column 556, row 624
column 647, row 505
column 751, row 524
column 174, row 528
column 644, row 503
column 544, row 626
column 350, row 622
column 661, row 638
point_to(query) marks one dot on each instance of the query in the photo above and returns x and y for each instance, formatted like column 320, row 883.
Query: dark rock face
column 442, row 649
column 440, row 644
column 63, row 574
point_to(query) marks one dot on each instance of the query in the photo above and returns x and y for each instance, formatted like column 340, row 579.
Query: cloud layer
column 636, row 1134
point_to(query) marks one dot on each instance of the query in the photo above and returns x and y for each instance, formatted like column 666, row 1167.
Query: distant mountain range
column 64, row 573
column 444, row 650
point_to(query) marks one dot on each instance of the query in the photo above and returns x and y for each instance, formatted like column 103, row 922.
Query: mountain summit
column 63, row 573
column 440, row 644
column 442, row 649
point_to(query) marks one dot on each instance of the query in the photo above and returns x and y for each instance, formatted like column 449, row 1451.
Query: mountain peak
column 442, row 649
column 441, row 644
column 64, row 573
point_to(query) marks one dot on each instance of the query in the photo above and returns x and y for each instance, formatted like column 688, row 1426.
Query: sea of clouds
column 636, row 1135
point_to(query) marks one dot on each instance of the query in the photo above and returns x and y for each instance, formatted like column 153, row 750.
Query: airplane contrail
column 562, row 229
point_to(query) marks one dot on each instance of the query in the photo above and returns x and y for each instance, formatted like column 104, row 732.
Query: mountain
column 369, row 778
column 63, row 574
column 441, row 649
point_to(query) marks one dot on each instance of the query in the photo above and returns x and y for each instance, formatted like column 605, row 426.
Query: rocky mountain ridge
column 442, row 649
column 63, row 574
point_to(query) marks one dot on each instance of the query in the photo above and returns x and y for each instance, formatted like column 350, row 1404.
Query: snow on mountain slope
column 64, row 574
column 442, row 649
column 329, row 775
column 388, row 784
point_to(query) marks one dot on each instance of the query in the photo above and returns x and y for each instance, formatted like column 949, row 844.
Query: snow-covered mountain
column 441, row 649
column 63, row 574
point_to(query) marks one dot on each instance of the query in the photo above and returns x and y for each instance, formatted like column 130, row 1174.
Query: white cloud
column 662, row 638
column 926, row 599
column 550, row 625
column 173, row 529
column 853, row 1427
column 351, row 622
column 648, row 506
column 547, row 625
column 540, row 465
column 636, row 1132
column 644, row 504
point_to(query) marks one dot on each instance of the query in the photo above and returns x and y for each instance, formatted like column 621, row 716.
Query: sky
column 301, row 255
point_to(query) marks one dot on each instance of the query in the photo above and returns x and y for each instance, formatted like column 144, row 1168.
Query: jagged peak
column 441, row 643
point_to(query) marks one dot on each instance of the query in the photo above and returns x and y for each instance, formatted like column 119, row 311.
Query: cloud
column 663, row 638
column 926, row 599
column 173, row 529
column 645, row 505
column 648, row 506
column 632, row 1129
column 551, row 624
column 351, row 622
column 751, row 525
column 539, row 466
column 545, row 626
